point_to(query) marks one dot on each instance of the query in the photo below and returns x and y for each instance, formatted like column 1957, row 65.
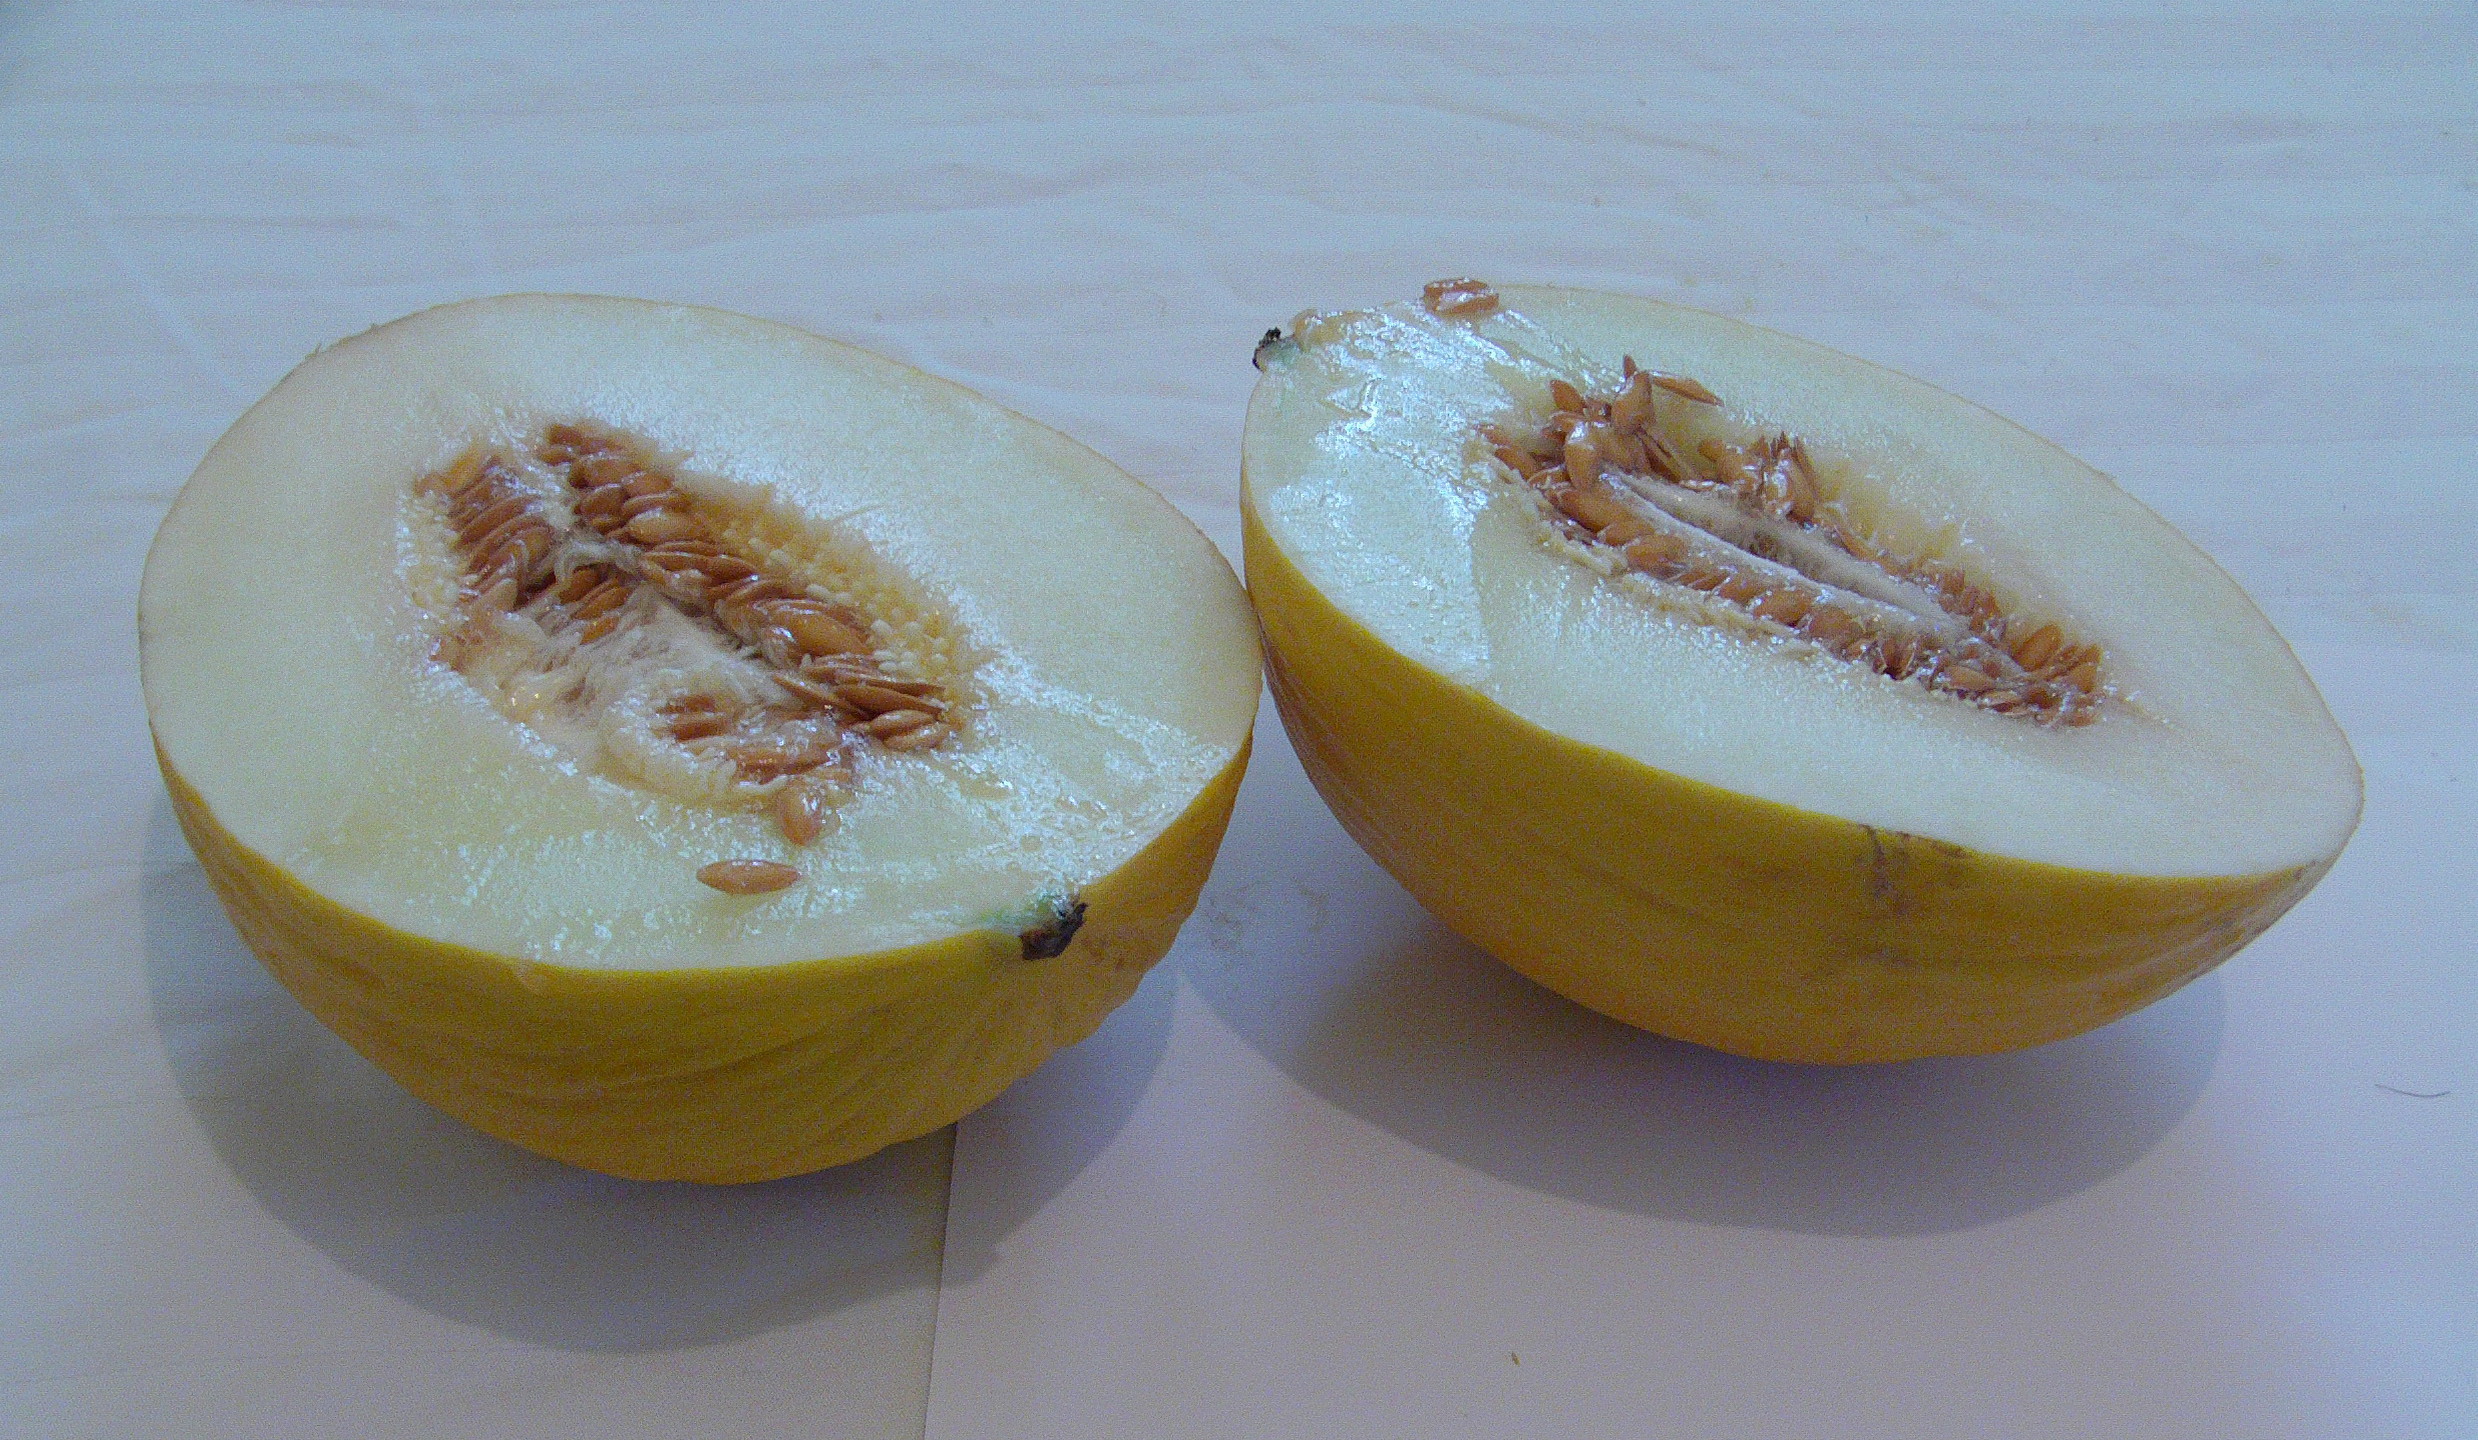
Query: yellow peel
column 712, row 1074
column 1682, row 908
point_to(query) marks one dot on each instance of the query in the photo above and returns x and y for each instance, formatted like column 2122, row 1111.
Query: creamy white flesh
column 2218, row 758
column 290, row 673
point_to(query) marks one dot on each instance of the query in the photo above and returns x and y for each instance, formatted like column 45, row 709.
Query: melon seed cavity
column 696, row 641
column 1759, row 538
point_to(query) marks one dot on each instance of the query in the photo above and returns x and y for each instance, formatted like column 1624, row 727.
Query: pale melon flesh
column 1688, row 823
column 494, row 889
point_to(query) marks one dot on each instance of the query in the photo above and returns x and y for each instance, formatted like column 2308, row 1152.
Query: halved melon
column 683, row 745
column 1760, row 696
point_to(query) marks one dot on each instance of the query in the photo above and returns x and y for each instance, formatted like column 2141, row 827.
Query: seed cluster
column 632, row 544
column 1753, row 526
column 501, row 532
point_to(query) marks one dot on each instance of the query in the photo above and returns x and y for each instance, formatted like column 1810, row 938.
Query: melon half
column 1760, row 696
column 682, row 745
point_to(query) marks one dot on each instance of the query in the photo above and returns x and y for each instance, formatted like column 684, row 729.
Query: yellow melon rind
column 1679, row 907
column 712, row 1074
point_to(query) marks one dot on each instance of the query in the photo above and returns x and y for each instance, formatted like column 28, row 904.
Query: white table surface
column 1331, row 1172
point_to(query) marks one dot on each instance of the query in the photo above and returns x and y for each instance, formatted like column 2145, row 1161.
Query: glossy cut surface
column 290, row 679
column 1365, row 470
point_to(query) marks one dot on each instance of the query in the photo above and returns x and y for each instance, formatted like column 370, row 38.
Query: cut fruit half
column 1760, row 696
column 683, row 745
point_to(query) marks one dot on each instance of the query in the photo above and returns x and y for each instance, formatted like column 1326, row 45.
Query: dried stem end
column 1050, row 938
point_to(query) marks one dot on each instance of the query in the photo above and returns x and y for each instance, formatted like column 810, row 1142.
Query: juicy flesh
column 297, row 595
column 1411, row 462
column 1756, row 528
column 641, row 629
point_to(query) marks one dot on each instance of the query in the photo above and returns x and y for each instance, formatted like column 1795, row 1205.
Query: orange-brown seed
column 921, row 739
column 1655, row 553
column 2039, row 647
column 872, row 699
column 801, row 810
column 1692, row 390
column 817, row 632
column 660, row 500
column 1742, row 587
column 748, row 877
column 896, row 722
column 698, row 727
column 605, row 469
column 656, row 526
column 1591, row 507
column 1785, row 606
